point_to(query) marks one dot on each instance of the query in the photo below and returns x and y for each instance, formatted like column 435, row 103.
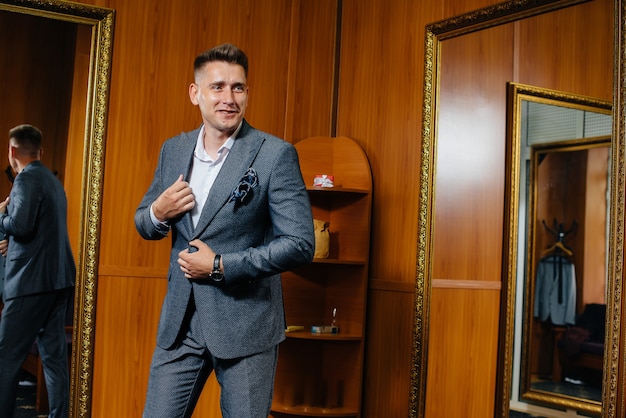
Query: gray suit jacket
column 39, row 258
column 270, row 232
column 556, row 274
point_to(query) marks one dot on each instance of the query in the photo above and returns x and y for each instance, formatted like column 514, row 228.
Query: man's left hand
column 196, row 264
column 4, row 246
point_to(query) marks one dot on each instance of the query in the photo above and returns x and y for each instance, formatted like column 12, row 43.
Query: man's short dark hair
column 27, row 138
column 225, row 52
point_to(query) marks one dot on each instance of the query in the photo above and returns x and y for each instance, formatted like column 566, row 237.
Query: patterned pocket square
column 247, row 182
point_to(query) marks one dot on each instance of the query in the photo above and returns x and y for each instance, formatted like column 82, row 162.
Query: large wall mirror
column 54, row 74
column 466, row 106
column 559, row 153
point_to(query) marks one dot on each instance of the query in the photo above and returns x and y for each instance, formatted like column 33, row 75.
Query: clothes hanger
column 559, row 246
column 556, row 248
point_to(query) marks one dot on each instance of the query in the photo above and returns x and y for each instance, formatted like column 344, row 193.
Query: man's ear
column 193, row 93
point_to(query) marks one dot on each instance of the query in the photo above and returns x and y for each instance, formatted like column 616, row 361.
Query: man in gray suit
column 39, row 274
column 236, row 204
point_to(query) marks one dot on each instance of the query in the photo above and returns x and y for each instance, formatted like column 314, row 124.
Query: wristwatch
column 216, row 275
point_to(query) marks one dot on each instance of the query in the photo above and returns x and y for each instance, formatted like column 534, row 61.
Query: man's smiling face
column 221, row 92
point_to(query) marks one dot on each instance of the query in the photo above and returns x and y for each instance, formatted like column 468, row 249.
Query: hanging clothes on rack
column 555, row 290
column 555, row 284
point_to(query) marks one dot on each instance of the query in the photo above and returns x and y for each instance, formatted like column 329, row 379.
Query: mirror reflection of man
column 39, row 274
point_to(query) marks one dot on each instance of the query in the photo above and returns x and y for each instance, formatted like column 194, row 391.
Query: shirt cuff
column 162, row 227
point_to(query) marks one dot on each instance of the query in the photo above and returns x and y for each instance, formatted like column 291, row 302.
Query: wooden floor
column 25, row 407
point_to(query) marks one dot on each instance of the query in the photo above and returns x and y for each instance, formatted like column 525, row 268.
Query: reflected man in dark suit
column 39, row 274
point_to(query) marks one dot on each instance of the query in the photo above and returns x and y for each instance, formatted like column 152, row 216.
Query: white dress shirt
column 204, row 171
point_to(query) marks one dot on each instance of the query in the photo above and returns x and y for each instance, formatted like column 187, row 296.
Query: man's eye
column 216, row 87
column 238, row 89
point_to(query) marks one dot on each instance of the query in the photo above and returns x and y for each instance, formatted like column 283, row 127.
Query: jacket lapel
column 239, row 159
column 183, row 166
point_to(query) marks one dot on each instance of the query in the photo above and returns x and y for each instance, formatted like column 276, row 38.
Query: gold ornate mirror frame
column 101, row 22
column 499, row 14
column 522, row 217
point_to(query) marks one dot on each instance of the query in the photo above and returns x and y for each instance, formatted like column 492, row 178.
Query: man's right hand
column 174, row 201
column 4, row 204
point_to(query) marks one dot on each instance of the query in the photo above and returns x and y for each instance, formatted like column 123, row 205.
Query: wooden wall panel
column 594, row 246
column 31, row 94
column 463, row 350
column 380, row 104
column 311, row 82
column 470, row 149
column 578, row 57
column 76, row 133
column 128, row 311
column 385, row 380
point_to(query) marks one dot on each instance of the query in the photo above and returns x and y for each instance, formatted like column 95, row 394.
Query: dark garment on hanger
column 555, row 290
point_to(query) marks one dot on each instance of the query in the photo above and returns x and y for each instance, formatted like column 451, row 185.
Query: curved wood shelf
column 339, row 261
column 337, row 190
column 310, row 364
column 313, row 411
column 308, row 335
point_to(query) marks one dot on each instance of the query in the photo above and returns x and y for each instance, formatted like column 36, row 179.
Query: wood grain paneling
column 36, row 83
column 463, row 349
column 470, row 149
column 379, row 106
column 311, row 83
column 128, row 311
column 594, row 247
column 577, row 58
column 386, row 376
column 76, row 132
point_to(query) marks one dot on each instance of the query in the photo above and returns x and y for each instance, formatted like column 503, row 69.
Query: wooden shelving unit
column 320, row 375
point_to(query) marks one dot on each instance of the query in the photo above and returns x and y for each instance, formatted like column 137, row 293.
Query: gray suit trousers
column 178, row 375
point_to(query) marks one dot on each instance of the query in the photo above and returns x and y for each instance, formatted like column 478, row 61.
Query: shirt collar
column 201, row 154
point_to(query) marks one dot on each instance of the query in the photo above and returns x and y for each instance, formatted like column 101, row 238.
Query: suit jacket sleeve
column 25, row 203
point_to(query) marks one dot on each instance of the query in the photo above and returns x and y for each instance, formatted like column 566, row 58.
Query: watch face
column 217, row 276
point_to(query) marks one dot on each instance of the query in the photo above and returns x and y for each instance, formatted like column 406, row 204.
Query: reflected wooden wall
column 369, row 90
column 36, row 83
column 470, row 184
column 38, row 87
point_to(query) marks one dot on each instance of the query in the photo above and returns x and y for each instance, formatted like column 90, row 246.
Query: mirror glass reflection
column 469, row 60
column 55, row 100
column 54, row 74
column 564, row 143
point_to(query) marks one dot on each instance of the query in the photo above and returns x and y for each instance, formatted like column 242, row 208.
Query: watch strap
column 216, row 273
column 216, row 263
